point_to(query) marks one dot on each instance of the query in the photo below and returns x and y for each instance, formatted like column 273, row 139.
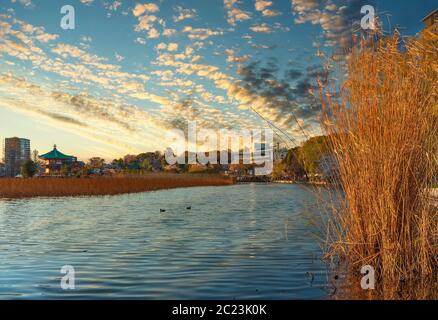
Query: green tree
column 96, row 163
column 311, row 152
column 35, row 156
column 65, row 170
column 85, row 171
column 28, row 170
column 146, row 165
column 279, row 170
column 118, row 163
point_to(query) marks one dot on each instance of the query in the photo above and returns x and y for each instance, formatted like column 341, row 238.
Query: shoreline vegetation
column 382, row 125
column 99, row 186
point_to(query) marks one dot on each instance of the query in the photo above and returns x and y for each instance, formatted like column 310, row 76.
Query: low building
column 431, row 21
column 55, row 160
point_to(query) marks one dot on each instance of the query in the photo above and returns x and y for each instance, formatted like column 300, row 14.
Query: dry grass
column 384, row 135
column 56, row 187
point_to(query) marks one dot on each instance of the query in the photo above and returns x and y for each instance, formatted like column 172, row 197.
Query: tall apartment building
column 16, row 152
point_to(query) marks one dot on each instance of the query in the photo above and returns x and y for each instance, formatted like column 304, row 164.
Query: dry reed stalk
column 384, row 135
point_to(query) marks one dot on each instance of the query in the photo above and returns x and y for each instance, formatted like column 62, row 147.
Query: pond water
column 247, row 241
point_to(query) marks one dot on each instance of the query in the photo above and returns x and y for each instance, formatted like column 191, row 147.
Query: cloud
column 201, row 33
column 288, row 104
column 183, row 14
column 165, row 75
column 270, row 13
column 72, row 104
column 261, row 28
column 83, row 104
column 178, row 68
column 139, row 9
column 172, row 47
column 169, row 47
column 153, row 34
column 140, row 40
column 62, row 118
column 145, row 22
column 25, row 3
column 112, row 6
column 235, row 14
column 233, row 58
column 63, row 107
column 120, row 127
column 331, row 7
column 46, row 37
column 263, row 6
column 338, row 19
column 169, row 32
column 293, row 74
column 119, row 57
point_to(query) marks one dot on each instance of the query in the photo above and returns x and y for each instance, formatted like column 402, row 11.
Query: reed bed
column 383, row 131
column 61, row 187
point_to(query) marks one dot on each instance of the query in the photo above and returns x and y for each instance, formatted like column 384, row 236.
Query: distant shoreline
column 100, row 186
column 315, row 183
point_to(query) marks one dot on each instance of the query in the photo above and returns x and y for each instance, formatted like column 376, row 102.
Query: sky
column 130, row 71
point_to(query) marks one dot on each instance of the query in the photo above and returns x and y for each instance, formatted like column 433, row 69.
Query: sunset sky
column 130, row 70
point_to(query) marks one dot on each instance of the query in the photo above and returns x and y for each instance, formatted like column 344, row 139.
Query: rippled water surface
column 249, row 241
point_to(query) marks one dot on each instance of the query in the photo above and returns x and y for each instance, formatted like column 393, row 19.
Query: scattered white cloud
column 112, row 6
column 336, row 22
column 183, row 14
column 169, row 47
column 87, row 2
column 261, row 5
column 119, row 57
column 140, row 40
column 261, row 28
column 25, row 3
column 145, row 22
column 153, row 33
column 235, row 14
column 139, row 8
column 232, row 57
column 172, row 47
column 201, row 33
column 169, row 32
column 46, row 37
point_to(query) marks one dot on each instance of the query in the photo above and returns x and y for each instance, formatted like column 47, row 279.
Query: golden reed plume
column 381, row 119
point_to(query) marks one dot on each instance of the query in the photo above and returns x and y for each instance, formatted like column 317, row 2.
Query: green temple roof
column 55, row 154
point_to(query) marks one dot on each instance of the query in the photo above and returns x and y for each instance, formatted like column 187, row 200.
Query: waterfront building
column 16, row 152
column 55, row 160
column 431, row 21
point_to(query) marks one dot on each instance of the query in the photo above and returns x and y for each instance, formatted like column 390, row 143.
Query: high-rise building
column 16, row 152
